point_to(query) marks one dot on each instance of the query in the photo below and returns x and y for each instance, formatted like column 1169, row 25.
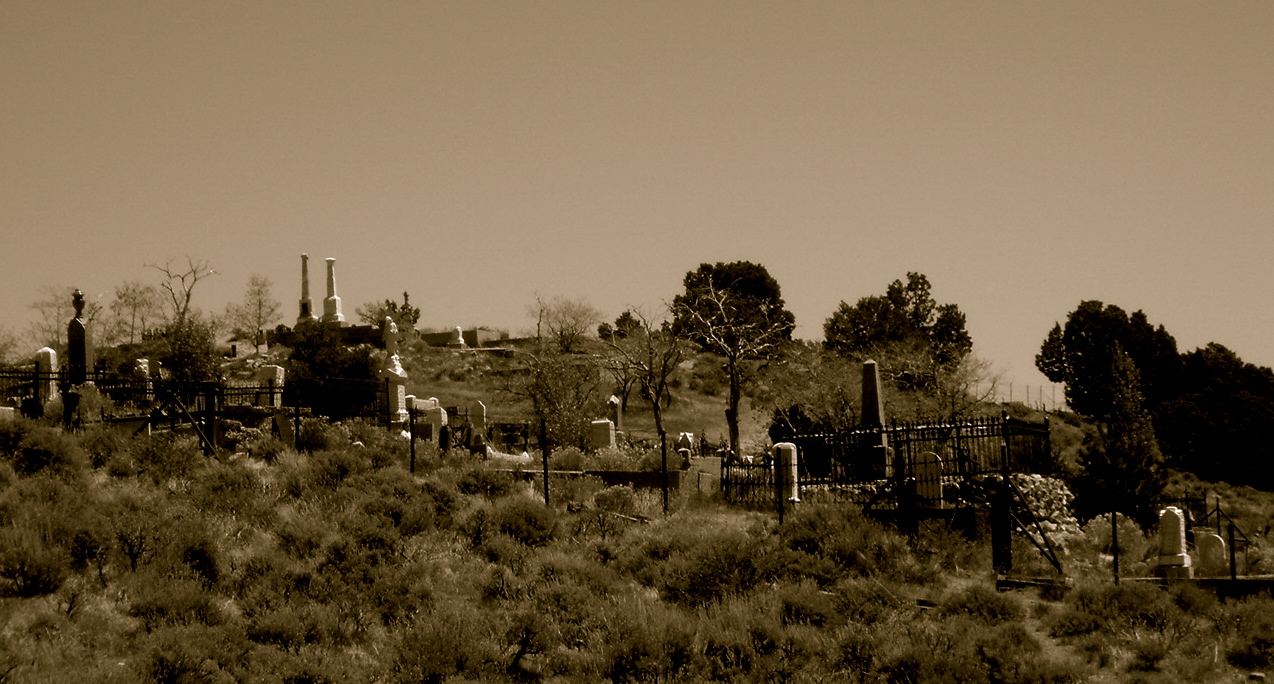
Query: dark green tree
column 405, row 315
column 189, row 350
column 915, row 339
column 1219, row 423
column 1081, row 354
column 1122, row 464
column 735, row 311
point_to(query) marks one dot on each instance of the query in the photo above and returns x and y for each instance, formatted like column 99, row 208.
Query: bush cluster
column 337, row 565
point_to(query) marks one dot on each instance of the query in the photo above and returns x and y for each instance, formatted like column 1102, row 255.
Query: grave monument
column 332, row 304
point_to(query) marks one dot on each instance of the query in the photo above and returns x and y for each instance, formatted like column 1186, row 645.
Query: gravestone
column 478, row 420
column 283, row 426
column 1174, row 562
column 1213, row 560
column 616, row 416
column 785, row 464
column 435, row 419
column 602, row 435
column 79, row 344
column 46, row 364
column 457, row 340
column 8, row 414
column 393, row 374
column 271, row 378
column 928, row 472
column 332, row 304
column 879, row 457
column 685, row 441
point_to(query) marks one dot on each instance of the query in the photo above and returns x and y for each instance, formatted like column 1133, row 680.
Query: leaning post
column 544, row 449
column 663, row 450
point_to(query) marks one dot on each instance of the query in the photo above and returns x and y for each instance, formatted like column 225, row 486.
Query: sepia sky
column 1024, row 155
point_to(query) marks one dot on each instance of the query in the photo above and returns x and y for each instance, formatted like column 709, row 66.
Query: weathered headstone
column 79, row 344
column 435, row 418
column 478, row 420
column 1213, row 560
column 332, row 304
column 928, row 473
column 602, row 435
column 271, row 379
column 457, row 341
column 46, row 364
column 616, row 416
column 685, row 441
column 879, row 457
column 785, row 464
column 8, row 414
column 1174, row 562
column 283, row 426
column 393, row 375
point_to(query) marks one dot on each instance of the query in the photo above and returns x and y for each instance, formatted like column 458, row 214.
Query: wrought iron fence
column 866, row 466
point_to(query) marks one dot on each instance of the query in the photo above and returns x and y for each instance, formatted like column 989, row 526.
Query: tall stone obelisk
column 307, row 305
column 332, row 304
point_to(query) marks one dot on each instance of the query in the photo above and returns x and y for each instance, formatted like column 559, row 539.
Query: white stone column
column 46, row 363
column 332, row 304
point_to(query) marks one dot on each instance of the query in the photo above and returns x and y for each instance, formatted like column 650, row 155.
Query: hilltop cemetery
column 700, row 498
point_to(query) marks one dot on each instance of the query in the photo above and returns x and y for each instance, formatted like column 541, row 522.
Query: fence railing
column 866, row 465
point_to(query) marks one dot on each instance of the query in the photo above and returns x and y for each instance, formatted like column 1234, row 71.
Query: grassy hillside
column 140, row 560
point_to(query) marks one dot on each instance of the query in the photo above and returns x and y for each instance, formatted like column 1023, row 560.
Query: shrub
column 28, row 565
column 166, row 456
column 443, row 644
column 486, row 482
column 726, row 564
column 984, row 604
column 530, row 522
column 47, row 449
column 174, row 603
column 102, row 444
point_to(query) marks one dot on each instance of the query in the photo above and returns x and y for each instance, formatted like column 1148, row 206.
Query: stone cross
column 457, row 342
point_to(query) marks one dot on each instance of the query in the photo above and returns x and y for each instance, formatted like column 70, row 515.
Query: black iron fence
column 866, row 466
column 336, row 398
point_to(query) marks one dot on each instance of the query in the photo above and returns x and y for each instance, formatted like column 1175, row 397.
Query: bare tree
column 55, row 310
column 8, row 347
column 258, row 310
column 134, row 310
column 180, row 284
column 565, row 321
column 739, row 327
column 648, row 354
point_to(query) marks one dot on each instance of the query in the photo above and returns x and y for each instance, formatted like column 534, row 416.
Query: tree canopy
column 1081, row 354
column 736, row 311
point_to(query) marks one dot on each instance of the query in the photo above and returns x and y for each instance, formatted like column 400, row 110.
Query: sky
column 1025, row 156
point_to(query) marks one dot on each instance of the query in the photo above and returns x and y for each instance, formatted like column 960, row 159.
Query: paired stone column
column 306, row 314
column 332, row 304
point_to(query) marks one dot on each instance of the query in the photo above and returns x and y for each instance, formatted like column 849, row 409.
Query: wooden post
column 663, row 448
column 1234, row 569
column 1114, row 543
column 544, row 449
column 411, row 436
column 1002, row 519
